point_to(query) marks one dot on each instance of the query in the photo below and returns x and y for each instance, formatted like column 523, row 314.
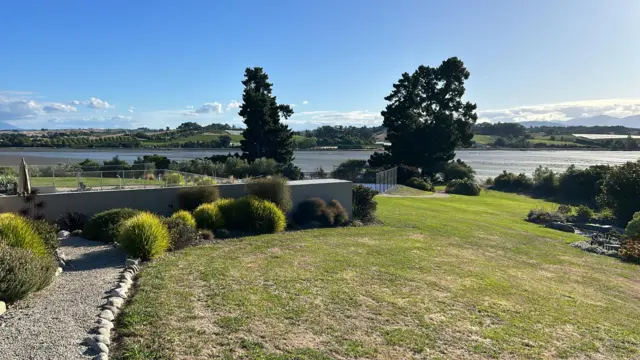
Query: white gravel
column 53, row 323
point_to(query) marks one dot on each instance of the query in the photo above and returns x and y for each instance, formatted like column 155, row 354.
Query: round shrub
column 174, row 179
column 144, row 236
column 208, row 217
column 47, row 232
column 340, row 216
column 266, row 217
column 364, row 206
column 192, row 197
column 250, row 214
column 457, row 170
column 463, row 187
column 419, row 184
column 181, row 232
column 584, row 212
column 206, row 235
column 633, row 227
column 511, row 182
column 274, row 189
column 309, row 210
column 234, row 212
column 104, row 226
column 16, row 231
column 630, row 250
column 185, row 217
column 22, row 272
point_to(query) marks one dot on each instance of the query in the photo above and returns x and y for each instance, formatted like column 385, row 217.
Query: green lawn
column 452, row 278
column 483, row 139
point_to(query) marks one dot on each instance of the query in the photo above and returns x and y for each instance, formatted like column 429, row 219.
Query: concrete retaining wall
column 163, row 201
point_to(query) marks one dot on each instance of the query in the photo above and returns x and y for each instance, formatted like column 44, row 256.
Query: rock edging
column 101, row 339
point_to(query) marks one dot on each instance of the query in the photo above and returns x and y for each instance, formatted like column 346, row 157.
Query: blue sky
column 160, row 63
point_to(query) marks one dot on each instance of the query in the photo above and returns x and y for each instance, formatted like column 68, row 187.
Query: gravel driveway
column 53, row 323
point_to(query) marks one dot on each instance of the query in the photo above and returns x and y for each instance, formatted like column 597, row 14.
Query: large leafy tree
column 264, row 135
column 426, row 118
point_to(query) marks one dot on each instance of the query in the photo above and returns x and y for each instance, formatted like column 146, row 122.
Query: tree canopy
column 264, row 136
column 426, row 118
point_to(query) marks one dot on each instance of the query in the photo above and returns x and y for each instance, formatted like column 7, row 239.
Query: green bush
column 144, row 236
column 511, row 182
column 463, row 187
column 181, row 231
column 582, row 185
column 174, row 179
column 16, row 231
column 419, row 184
column 206, row 235
column 633, row 227
column 192, row 197
column 340, row 216
column 545, row 181
column 22, row 272
column 584, row 212
column 458, row 170
column 250, row 214
column 621, row 191
column 565, row 209
column 309, row 210
column 206, row 182
column 407, row 172
column 208, row 217
column 185, row 217
column 47, row 232
column 273, row 188
column 364, row 206
column 71, row 221
column 105, row 226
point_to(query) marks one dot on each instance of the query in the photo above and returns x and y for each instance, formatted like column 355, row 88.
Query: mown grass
column 90, row 181
column 402, row 190
column 451, row 278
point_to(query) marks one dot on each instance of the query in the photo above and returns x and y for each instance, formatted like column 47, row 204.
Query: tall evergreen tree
column 264, row 135
column 426, row 118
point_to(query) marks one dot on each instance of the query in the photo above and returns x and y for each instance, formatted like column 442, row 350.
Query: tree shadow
column 101, row 259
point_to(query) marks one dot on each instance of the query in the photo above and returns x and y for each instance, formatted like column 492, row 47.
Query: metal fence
column 381, row 181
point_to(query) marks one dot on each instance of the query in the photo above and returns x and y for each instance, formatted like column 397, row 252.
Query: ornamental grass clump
column 23, row 272
column 105, row 226
column 185, row 217
column 18, row 232
column 208, row 217
column 144, row 236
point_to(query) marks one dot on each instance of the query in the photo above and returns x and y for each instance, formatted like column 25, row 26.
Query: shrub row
column 248, row 214
column 316, row 212
column 463, row 187
column 420, row 184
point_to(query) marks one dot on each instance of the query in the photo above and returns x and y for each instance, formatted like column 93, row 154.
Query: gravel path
column 53, row 323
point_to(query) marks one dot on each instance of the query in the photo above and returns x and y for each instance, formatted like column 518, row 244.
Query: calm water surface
column 486, row 163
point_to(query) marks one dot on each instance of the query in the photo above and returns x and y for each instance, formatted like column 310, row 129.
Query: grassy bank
column 450, row 278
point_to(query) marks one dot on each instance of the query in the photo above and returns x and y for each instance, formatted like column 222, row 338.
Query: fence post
column 100, row 180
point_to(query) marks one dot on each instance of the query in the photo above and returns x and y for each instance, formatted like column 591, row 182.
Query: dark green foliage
column 541, row 216
column 506, row 129
column 582, row 185
column 265, row 135
column 251, row 215
column 340, row 216
column 350, row 170
column 545, row 181
column 420, row 184
column 222, row 234
column 364, row 206
column 208, row 216
column 426, row 118
column 621, row 191
column 463, row 187
column 47, row 232
column 407, row 172
column 22, row 272
column 206, row 234
column 181, row 232
column 584, row 213
column 292, row 172
column 565, row 209
column 273, row 188
column 633, row 227
column 105, row 226
column 508, row 181
column 158, row 161
column 457, row 170
column 314, row 209
column 192, row 197
column 71, row 221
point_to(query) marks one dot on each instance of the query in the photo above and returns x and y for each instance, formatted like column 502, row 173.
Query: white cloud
column 319, row 118
column 18, row 109
column 130, row 109
column 233, row 105
column 76, row 102
column 189, row 107
column 58, row 108
column 564, row 110
column 206, row 108
column 305, row 102
column 96, row 103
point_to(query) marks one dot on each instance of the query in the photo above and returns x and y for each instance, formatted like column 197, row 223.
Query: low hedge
column 419, row 184
column 105, row 226
column 317, row 211
column 18, row 232
column 23, row 272
column 144, row 236
column 463, row 187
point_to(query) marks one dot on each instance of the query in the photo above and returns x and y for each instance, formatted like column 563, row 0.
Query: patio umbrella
column 24, row 183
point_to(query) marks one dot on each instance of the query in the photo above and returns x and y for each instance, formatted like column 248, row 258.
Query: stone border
column 101, row 340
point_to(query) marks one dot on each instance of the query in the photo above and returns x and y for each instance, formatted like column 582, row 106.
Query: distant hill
column 542, row 123
column 6, row 126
